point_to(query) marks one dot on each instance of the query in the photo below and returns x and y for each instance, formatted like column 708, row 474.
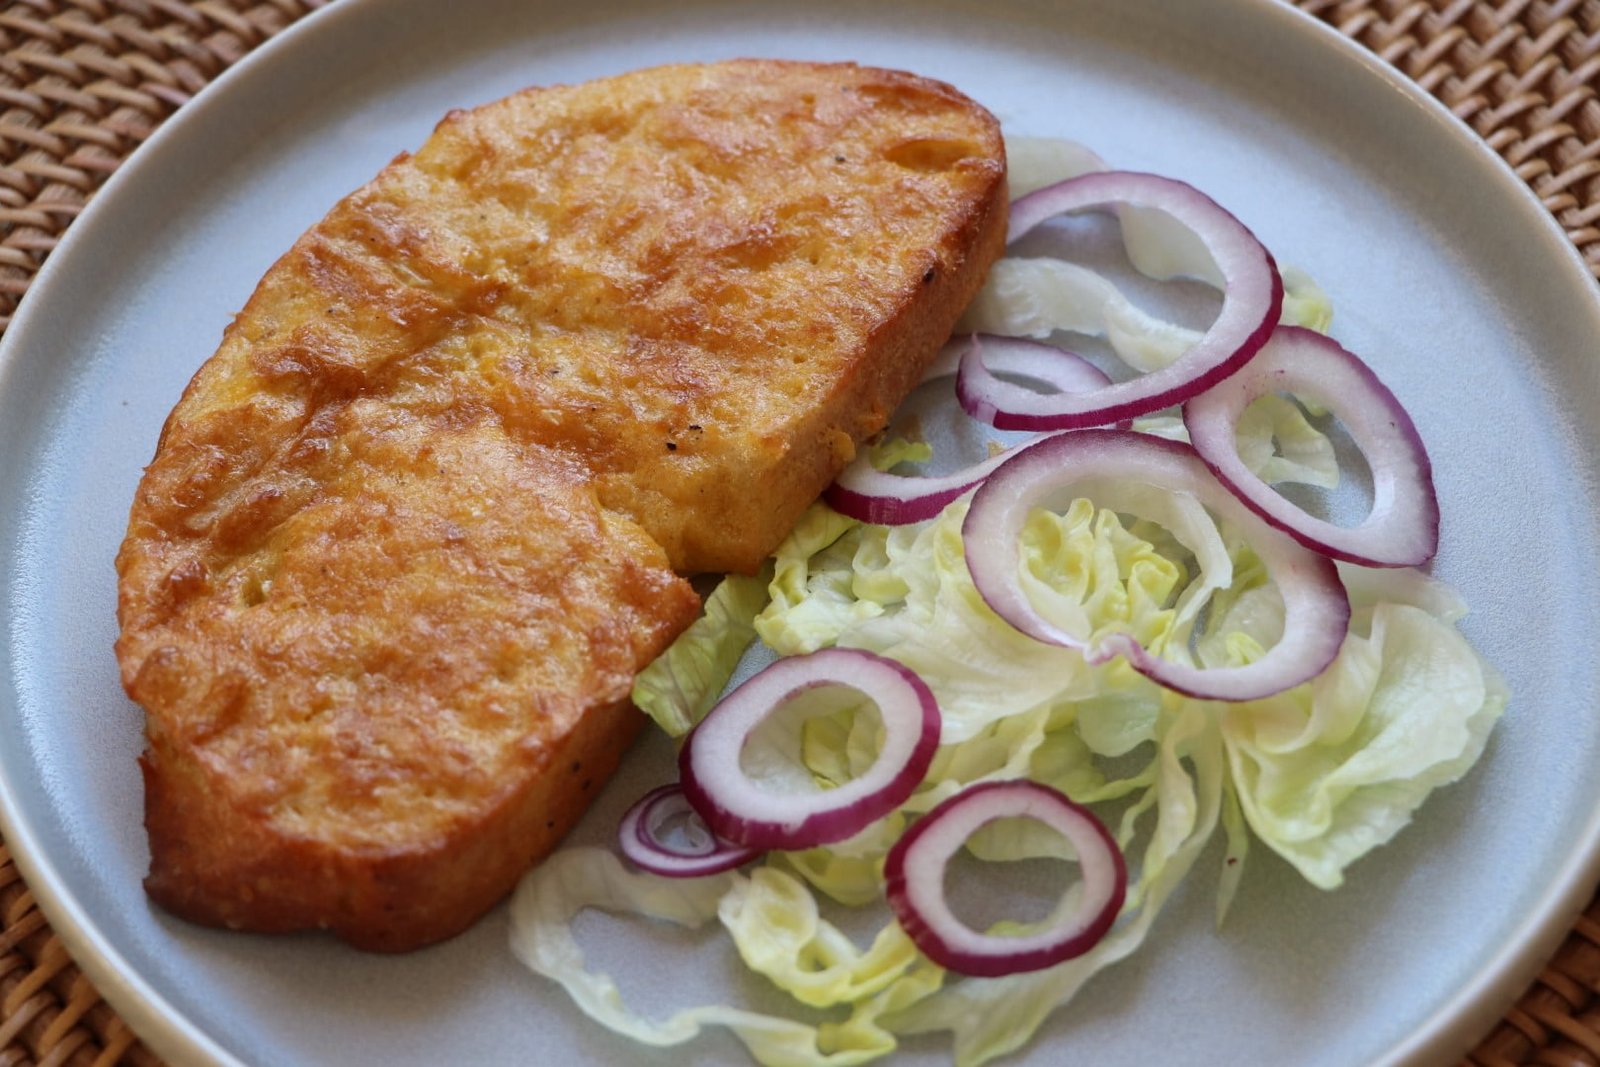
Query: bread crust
column 411, row 531
column 221, row 867
column 420, row 706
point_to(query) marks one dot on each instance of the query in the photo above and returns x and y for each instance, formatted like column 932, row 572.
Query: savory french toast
column 411, row 531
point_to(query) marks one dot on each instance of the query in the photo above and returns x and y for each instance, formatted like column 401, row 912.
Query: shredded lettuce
column 551, row 896
column 811, row 595
column 1304, row 302
column 1237, row 834
column 1274, row 438
column 1038, row 296
column 850, row 872
column 778, row 931
column 1330, row 770
column 1320, row 774
column 681, row 685
column 1278, row 444
column 893, row 451
column 1035, row 162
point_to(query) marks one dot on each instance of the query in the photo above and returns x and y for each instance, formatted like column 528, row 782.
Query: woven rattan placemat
column 84, row 82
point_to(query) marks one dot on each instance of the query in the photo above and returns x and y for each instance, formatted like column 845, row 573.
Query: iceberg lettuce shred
column 683, row 683
column 1320, row 774
column 551, row 896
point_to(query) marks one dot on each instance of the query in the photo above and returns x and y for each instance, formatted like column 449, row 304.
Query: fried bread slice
column 411, row 531
column 402, row 693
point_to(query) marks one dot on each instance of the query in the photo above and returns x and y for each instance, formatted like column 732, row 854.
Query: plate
column 1444, row 271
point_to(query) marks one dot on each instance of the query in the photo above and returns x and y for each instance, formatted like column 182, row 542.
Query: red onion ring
column 1252, row 298
column 639, row 834
column 863, row 492
column 1402, row 530
column 1051, row 472
column 989, row 355
column 915, row 875
column 738, row 809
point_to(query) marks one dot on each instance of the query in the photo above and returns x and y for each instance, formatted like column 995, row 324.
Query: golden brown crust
column 410, row 533
column 378, row 721
column 223, row 868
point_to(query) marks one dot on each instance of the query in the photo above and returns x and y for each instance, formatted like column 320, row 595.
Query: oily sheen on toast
column 409, row 534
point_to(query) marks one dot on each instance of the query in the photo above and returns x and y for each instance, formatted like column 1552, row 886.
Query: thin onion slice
column 1252, row 298
column 914, row 873
column 1093, row 463
column 863, row 492
column 742, row 811
column 641, row 837
column 1402, row 529
column 989, row 355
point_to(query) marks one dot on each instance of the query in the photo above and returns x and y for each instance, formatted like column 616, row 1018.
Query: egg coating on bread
column 411, row 531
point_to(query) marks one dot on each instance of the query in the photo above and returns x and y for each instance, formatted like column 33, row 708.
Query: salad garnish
column 1131, row 641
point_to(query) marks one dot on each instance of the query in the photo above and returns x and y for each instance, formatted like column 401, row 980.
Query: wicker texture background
column 84, row 82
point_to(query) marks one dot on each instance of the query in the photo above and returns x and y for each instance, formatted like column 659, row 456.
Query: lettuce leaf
column 1274, row 438
column 1037, row 297
column 851, row 871
column 550, row 897
column 1332, row 769
column 1278, row 444
column 1040, row 295
column 1304, row 302
column 811, row 598
column 682, row 684
column 778, row 931
column 1035, row 162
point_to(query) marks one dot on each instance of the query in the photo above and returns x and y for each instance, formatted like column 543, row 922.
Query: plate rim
column 1453, row 1027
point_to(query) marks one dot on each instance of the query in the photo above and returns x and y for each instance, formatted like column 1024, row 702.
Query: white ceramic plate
column 1444, row 272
